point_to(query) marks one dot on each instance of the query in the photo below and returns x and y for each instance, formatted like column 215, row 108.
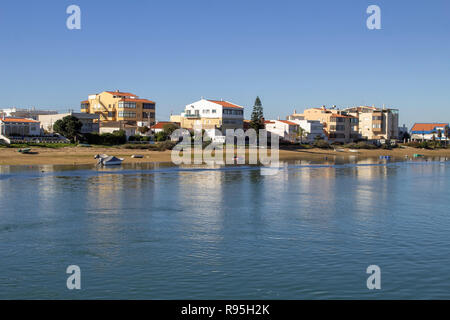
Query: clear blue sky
column 293, row 54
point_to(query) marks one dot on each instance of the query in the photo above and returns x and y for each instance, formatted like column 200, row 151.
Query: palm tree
column 446, row 134
column 300, row 133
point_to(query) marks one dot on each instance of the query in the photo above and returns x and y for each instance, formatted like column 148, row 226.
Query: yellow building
column 376, row 123
column 339, row 126
column 125, row 107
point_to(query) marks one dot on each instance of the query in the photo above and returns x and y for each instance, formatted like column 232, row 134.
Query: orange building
column 124, row 107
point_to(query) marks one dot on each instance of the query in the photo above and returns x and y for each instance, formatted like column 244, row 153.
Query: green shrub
column 322, row 144
column 115, row 138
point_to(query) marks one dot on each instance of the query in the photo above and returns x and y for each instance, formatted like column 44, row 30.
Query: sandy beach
column 78, row 155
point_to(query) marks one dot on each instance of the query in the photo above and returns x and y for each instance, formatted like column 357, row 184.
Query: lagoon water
column 160, row 232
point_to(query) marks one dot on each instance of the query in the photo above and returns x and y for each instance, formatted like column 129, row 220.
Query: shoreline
column 85, row 156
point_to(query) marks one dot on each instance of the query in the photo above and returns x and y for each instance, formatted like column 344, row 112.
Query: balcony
column 190, row 116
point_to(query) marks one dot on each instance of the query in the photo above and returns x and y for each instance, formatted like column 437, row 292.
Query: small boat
column 416, row 155
column 137, row 156
column 105, row 160
column 339, row 150
column 353, row 150
column 24, row 150
column 385, row 157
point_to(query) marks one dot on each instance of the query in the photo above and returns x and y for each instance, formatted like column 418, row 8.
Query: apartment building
column 125, row 107
column 338, row 126
column 375, row 123
column 426, row 131
column 90, row 121
column 211, row 114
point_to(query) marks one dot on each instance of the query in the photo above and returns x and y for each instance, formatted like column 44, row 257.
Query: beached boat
column 105, row 160
column 416, row 155
column 137, row 156
column 353, row 150
column 24, row 150
column 339, row 150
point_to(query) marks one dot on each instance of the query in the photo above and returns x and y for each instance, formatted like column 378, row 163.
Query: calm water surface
column 162, row 232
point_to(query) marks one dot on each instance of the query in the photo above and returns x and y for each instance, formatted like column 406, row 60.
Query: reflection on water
column 159, row 231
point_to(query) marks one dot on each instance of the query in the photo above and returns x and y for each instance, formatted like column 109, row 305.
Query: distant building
column 90, row 121
column 111, row 127
column 285, row 129
column 212, row 114
column 158, row 127
column 20, row 127
column 337, row 125
column 175, row 118
column 30, row 113
column 375, row 123
column 125, row 107
column 295, row 116
column 426, row 131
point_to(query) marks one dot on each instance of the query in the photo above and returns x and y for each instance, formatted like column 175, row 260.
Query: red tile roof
column 161, row 124
column 23, row 120
column 226, row 104
column 121, row 94
column 137, row 100
column 85, row 101
column 289, row 122
column 427, row 126
column 335, row 115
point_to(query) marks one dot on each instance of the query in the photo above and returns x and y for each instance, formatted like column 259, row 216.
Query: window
column 127, row 114
column 129, row 105
column 148, row 106
column 213, row 111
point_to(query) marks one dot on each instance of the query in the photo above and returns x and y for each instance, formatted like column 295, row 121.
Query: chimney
column 295, row 111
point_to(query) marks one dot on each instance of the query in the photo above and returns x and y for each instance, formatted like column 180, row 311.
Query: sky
column 292, row 54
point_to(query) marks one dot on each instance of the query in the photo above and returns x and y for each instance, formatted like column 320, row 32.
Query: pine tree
column 257, row 119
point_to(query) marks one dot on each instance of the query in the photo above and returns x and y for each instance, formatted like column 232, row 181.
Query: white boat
column 105, row 160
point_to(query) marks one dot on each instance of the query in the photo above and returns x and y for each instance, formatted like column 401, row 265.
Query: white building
column 212, row 114
column 90, row 121
column 19, row 127
column 285, row 129
column 429, row 131
column 30, row 113
column 312, row 129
